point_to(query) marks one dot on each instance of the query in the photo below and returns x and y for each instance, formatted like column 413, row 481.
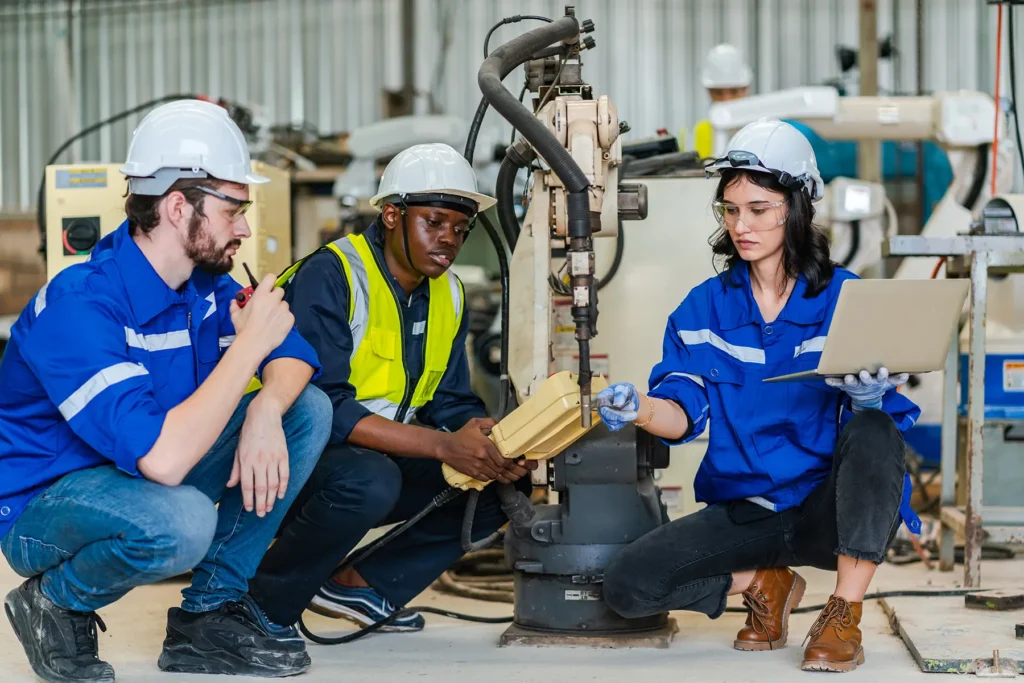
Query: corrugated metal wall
column 65, row 64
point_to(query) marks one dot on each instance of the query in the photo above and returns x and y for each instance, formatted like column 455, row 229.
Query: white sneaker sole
column 329, row 608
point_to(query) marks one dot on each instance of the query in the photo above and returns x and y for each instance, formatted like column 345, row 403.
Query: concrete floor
column 454, row 651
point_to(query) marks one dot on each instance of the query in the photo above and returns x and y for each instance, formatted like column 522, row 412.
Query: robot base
column 558, row 558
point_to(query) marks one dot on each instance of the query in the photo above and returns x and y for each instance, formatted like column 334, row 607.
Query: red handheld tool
column 243, row 295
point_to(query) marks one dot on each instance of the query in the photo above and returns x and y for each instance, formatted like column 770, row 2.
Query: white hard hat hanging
column 773, row 146
column 725, row 67
column 187, row 139
column 430, row 169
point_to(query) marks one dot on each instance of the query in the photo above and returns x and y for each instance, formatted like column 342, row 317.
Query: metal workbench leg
column 950, row 399
column 974, row 534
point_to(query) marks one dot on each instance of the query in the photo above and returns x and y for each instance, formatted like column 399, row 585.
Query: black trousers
column 688, row 563
column 351, row 491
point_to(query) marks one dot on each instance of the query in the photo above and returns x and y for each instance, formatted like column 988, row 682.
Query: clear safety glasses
column 756, row 216
column 241, row 205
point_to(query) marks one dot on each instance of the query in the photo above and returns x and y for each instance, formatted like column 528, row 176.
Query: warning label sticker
column 80, row 178
column 1013, row 375
column 582, row 595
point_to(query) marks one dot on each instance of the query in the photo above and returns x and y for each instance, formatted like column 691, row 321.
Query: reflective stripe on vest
column 377, row 367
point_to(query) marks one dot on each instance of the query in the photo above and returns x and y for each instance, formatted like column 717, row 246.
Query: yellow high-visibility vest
column 378, row 370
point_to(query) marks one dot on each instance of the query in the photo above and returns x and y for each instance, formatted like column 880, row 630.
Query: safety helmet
column 187, row 139
column 773, row 146
column 725, row 67
column 432, row 173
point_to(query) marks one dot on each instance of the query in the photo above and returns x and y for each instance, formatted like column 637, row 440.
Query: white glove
column 866, row 391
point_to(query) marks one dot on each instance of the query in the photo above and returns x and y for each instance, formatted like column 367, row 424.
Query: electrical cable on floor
column 341, row 640
column 952, row 593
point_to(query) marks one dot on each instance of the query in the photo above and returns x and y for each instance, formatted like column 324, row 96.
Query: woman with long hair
column 799, row 473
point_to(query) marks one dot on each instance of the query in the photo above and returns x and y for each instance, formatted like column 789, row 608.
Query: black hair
column 805, row 249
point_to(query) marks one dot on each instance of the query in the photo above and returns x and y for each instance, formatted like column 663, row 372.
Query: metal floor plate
column 944, row 636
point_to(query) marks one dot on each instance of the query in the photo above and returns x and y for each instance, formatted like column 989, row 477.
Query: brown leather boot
column 772, row 595
column 835, row 638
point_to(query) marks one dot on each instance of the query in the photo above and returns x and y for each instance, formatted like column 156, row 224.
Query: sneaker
column 364, row 606
column 237, row 638
column 62, row 646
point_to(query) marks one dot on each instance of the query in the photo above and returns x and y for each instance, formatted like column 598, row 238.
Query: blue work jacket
column 771, row 443
column 319, row 297
column 98, row 358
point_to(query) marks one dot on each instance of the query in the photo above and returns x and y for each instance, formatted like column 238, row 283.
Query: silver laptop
column 902, row 325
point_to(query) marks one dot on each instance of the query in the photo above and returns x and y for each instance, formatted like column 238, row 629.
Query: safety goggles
column 739, row 159
column 756, row 216
column 241, row 205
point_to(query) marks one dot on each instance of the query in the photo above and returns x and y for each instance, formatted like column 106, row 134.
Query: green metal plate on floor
column 944, row 636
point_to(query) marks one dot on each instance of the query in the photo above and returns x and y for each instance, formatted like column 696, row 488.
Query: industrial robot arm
column 575, row 194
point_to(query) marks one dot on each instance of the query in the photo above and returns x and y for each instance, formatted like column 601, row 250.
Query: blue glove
column 866, row 391
column 617, row 405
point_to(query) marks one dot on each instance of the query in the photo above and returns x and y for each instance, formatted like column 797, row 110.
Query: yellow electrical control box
column 541, row 428
column 85, row 202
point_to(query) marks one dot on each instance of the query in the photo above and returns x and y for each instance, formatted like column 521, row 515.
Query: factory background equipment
column 982, row 443
column 85, row 202
column 298, row 62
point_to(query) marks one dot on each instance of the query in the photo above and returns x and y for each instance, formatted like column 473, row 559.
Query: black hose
column 41, row 194
column 481, row 108
column 978, row 182
column 517, row 156
column 1013, row 87
column 467, row 526
column 504, row 188
column 620, row 247
column 512, row 135
column 499, row 64
column 499, row 249
column 505, row 389
column 516, row 506
column 854, row 244
column 443, row 498
column 474, row 129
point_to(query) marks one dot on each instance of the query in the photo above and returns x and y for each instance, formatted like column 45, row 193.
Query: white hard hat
column 431, row 172
column 773, row 146
column 726, row 68
column 187, row 139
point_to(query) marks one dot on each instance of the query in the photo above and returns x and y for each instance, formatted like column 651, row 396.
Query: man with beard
column 388, row 320
column 130, row 451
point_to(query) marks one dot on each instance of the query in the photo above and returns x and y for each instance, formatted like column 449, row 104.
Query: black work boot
column 234, row 639
column 61, row 645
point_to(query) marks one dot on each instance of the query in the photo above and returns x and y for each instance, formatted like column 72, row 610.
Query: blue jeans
column 97, row 533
